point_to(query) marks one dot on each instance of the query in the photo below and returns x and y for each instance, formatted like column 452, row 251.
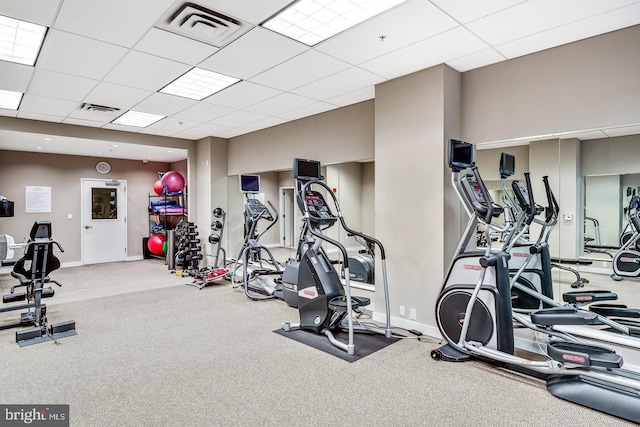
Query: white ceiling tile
column 280, row 104
column 534, row 16
column 238, row 119
column 172, row 46
column 247, row 10
column 426, row 53
column 94, row 116
column 339, row 84
column 308, row 110
column 475, row 60
column 401, row 26
column 59, row 85
column 60, row 53
column 583, row 135
column 8, row 113
column 81, row 122
column 121, row 22
column 203, row 112
column 465, row 11
column 264, row 123
column 253, row 53
column 302, row 69
column 201, row 131
column 163, row 104
column 112, row 95
column 585, row 28
column 44, row 105
column 172, row 125
column 144, row 71
column 622, row 131
column 41, row 117
column 15, row 77
column 36, row 11
column 242, row 94
column 232, row 132
column 353, row 97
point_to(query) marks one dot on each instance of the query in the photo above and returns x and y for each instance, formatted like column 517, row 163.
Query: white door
column 286, row 208
column 104, row 221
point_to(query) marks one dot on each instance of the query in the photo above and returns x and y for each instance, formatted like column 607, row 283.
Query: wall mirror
column 352, row 182
column 594, row 180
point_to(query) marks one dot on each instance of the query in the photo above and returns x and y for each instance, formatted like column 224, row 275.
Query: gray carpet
column 174, row 355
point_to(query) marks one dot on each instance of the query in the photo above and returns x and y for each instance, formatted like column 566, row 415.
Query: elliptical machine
column 626, row 262
column 261, row 279
column 324, row 304
column 474, row 314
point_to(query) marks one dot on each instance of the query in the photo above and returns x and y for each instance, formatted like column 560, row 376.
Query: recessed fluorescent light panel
column 198, row 84
column 20, row 41
column 312, row 21
column 9, row 99
column 135, row 118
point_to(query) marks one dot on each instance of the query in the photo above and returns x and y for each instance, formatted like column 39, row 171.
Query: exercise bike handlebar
column 35, row 242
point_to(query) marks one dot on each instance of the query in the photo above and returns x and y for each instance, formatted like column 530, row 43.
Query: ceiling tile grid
column 120, row 53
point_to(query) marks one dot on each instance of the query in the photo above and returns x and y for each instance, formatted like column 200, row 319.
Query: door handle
column 88, row 226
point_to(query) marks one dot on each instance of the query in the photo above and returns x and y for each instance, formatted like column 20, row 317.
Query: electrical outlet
column 412, row 313
column 402, row 313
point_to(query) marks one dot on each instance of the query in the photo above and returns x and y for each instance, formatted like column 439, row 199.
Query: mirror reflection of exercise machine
column 626, row 262
column 475, row 316
column 261, row 278
column 324, row 304
column 32, row 271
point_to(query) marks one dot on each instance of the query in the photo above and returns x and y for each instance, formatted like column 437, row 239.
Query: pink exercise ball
column 173, row 181
column 157, row 187
column 155, row 244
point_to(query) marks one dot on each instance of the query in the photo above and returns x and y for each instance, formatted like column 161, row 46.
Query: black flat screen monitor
column 507, row 165
column 306, row 170
column 460, row 155
column 249, row 184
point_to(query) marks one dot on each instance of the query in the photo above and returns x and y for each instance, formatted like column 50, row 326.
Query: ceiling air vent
column 206, row 25
column 98, row 108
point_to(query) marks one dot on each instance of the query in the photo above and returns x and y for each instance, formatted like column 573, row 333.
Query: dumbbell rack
column 189, row 249
column 208, row 275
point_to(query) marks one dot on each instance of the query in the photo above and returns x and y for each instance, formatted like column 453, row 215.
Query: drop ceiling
column 120, row 53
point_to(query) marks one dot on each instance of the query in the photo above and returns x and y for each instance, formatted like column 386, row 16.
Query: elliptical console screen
column 507, row 164
column 249, row 183
column 306, row 170
column 460, row 155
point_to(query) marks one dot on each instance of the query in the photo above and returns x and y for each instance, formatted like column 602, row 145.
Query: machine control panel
column 318, row 208
column 255, row 208
column 473, row 193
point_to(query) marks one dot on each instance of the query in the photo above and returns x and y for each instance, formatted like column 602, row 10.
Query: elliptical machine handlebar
column 273, row 220
column 532, row 203
column 488, row 216
column 312, row 230
column 553, row 209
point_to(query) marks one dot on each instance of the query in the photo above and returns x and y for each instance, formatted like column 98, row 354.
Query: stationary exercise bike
column 475, row 317
column 32, row 271
column 324, row 304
